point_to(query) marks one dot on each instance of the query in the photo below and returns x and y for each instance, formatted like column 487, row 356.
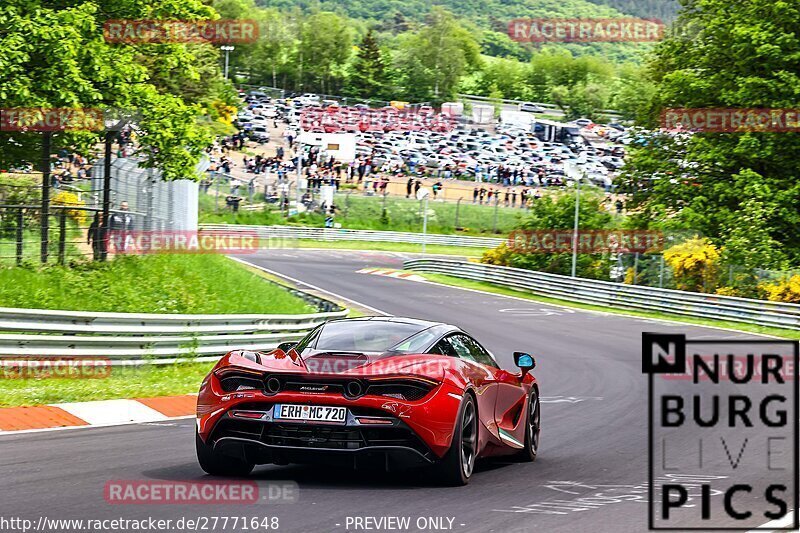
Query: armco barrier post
column 20, row 234
column 496, row 208
column 46, row 138
column 62, row 236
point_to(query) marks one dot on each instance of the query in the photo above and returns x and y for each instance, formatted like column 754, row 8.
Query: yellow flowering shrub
column 71, row 199
column 785, row 290
column 497, row 256
column 695, row 264
column 727, row 291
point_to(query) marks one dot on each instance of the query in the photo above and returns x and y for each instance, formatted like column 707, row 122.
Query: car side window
column 459, row 345
column 475, row 352
column 443, row 347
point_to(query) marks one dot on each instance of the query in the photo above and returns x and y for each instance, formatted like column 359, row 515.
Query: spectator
column 121, row 226
column 233, row 202
column 436, row 188
column 97, row 236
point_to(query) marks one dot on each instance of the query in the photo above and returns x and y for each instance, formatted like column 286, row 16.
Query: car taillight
column 238, row 383
column 234, row 379
column 409, row 390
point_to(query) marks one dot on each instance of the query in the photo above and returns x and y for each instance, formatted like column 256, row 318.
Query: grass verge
column 122, row 382
column 497, row 289
column 190, row 284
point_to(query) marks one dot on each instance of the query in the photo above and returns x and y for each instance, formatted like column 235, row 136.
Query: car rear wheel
column 533, row 428
column 217, row 464
column 456, row 467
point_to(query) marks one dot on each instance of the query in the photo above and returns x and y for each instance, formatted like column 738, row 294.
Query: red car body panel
column 500, row 395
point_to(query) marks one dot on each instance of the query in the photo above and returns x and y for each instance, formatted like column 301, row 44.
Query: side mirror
column 524, row 361
column 286, row 346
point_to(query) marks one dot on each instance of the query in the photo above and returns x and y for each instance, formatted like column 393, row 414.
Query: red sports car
column 381, row 392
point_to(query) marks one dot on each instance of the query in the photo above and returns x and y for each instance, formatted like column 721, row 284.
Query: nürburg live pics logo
column 726, row 410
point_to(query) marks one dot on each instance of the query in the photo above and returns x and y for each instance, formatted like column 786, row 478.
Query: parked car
column 530, row 107
column 259, row 133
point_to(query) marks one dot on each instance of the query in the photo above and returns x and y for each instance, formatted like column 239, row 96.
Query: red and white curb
column 96, row 413
column 391, row 273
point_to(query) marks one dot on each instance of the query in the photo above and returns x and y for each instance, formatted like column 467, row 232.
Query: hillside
column 487, row 14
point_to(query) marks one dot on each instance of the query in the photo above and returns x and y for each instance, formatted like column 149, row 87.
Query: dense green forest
column 432, row 60
column 487, row 14
column 489, row 19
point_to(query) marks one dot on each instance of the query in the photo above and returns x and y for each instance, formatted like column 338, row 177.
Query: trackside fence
column 619, row 295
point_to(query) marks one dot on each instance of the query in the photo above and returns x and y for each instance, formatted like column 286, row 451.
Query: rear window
column 364, row 336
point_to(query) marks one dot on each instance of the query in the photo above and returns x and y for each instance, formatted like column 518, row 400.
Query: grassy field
column 122, row 382
column 31, row 245
column 365, row 212
column 151, row 284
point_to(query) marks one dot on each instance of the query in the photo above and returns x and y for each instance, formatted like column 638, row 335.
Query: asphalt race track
column 594, row 436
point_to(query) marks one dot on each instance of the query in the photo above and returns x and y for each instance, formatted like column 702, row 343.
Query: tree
column 53, row 54
column 368, row 77
column 731, row 55
column 275, row 49
column 557, row 213
column 326, row 42
column 436, row 57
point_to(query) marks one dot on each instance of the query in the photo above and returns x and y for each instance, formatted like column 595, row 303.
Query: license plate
column 310, row 413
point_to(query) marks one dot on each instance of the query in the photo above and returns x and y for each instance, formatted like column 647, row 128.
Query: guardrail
column 331, row 234
column 619, row 295
column 128, row 335
column 611, row 113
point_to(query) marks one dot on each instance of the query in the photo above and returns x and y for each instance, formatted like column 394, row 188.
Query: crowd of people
column 505, row 185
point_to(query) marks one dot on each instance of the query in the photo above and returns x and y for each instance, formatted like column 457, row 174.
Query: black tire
column 533, row 423
column 217, row 464
column 457, row 465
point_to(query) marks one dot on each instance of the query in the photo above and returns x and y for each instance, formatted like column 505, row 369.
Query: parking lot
column 520, row 151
